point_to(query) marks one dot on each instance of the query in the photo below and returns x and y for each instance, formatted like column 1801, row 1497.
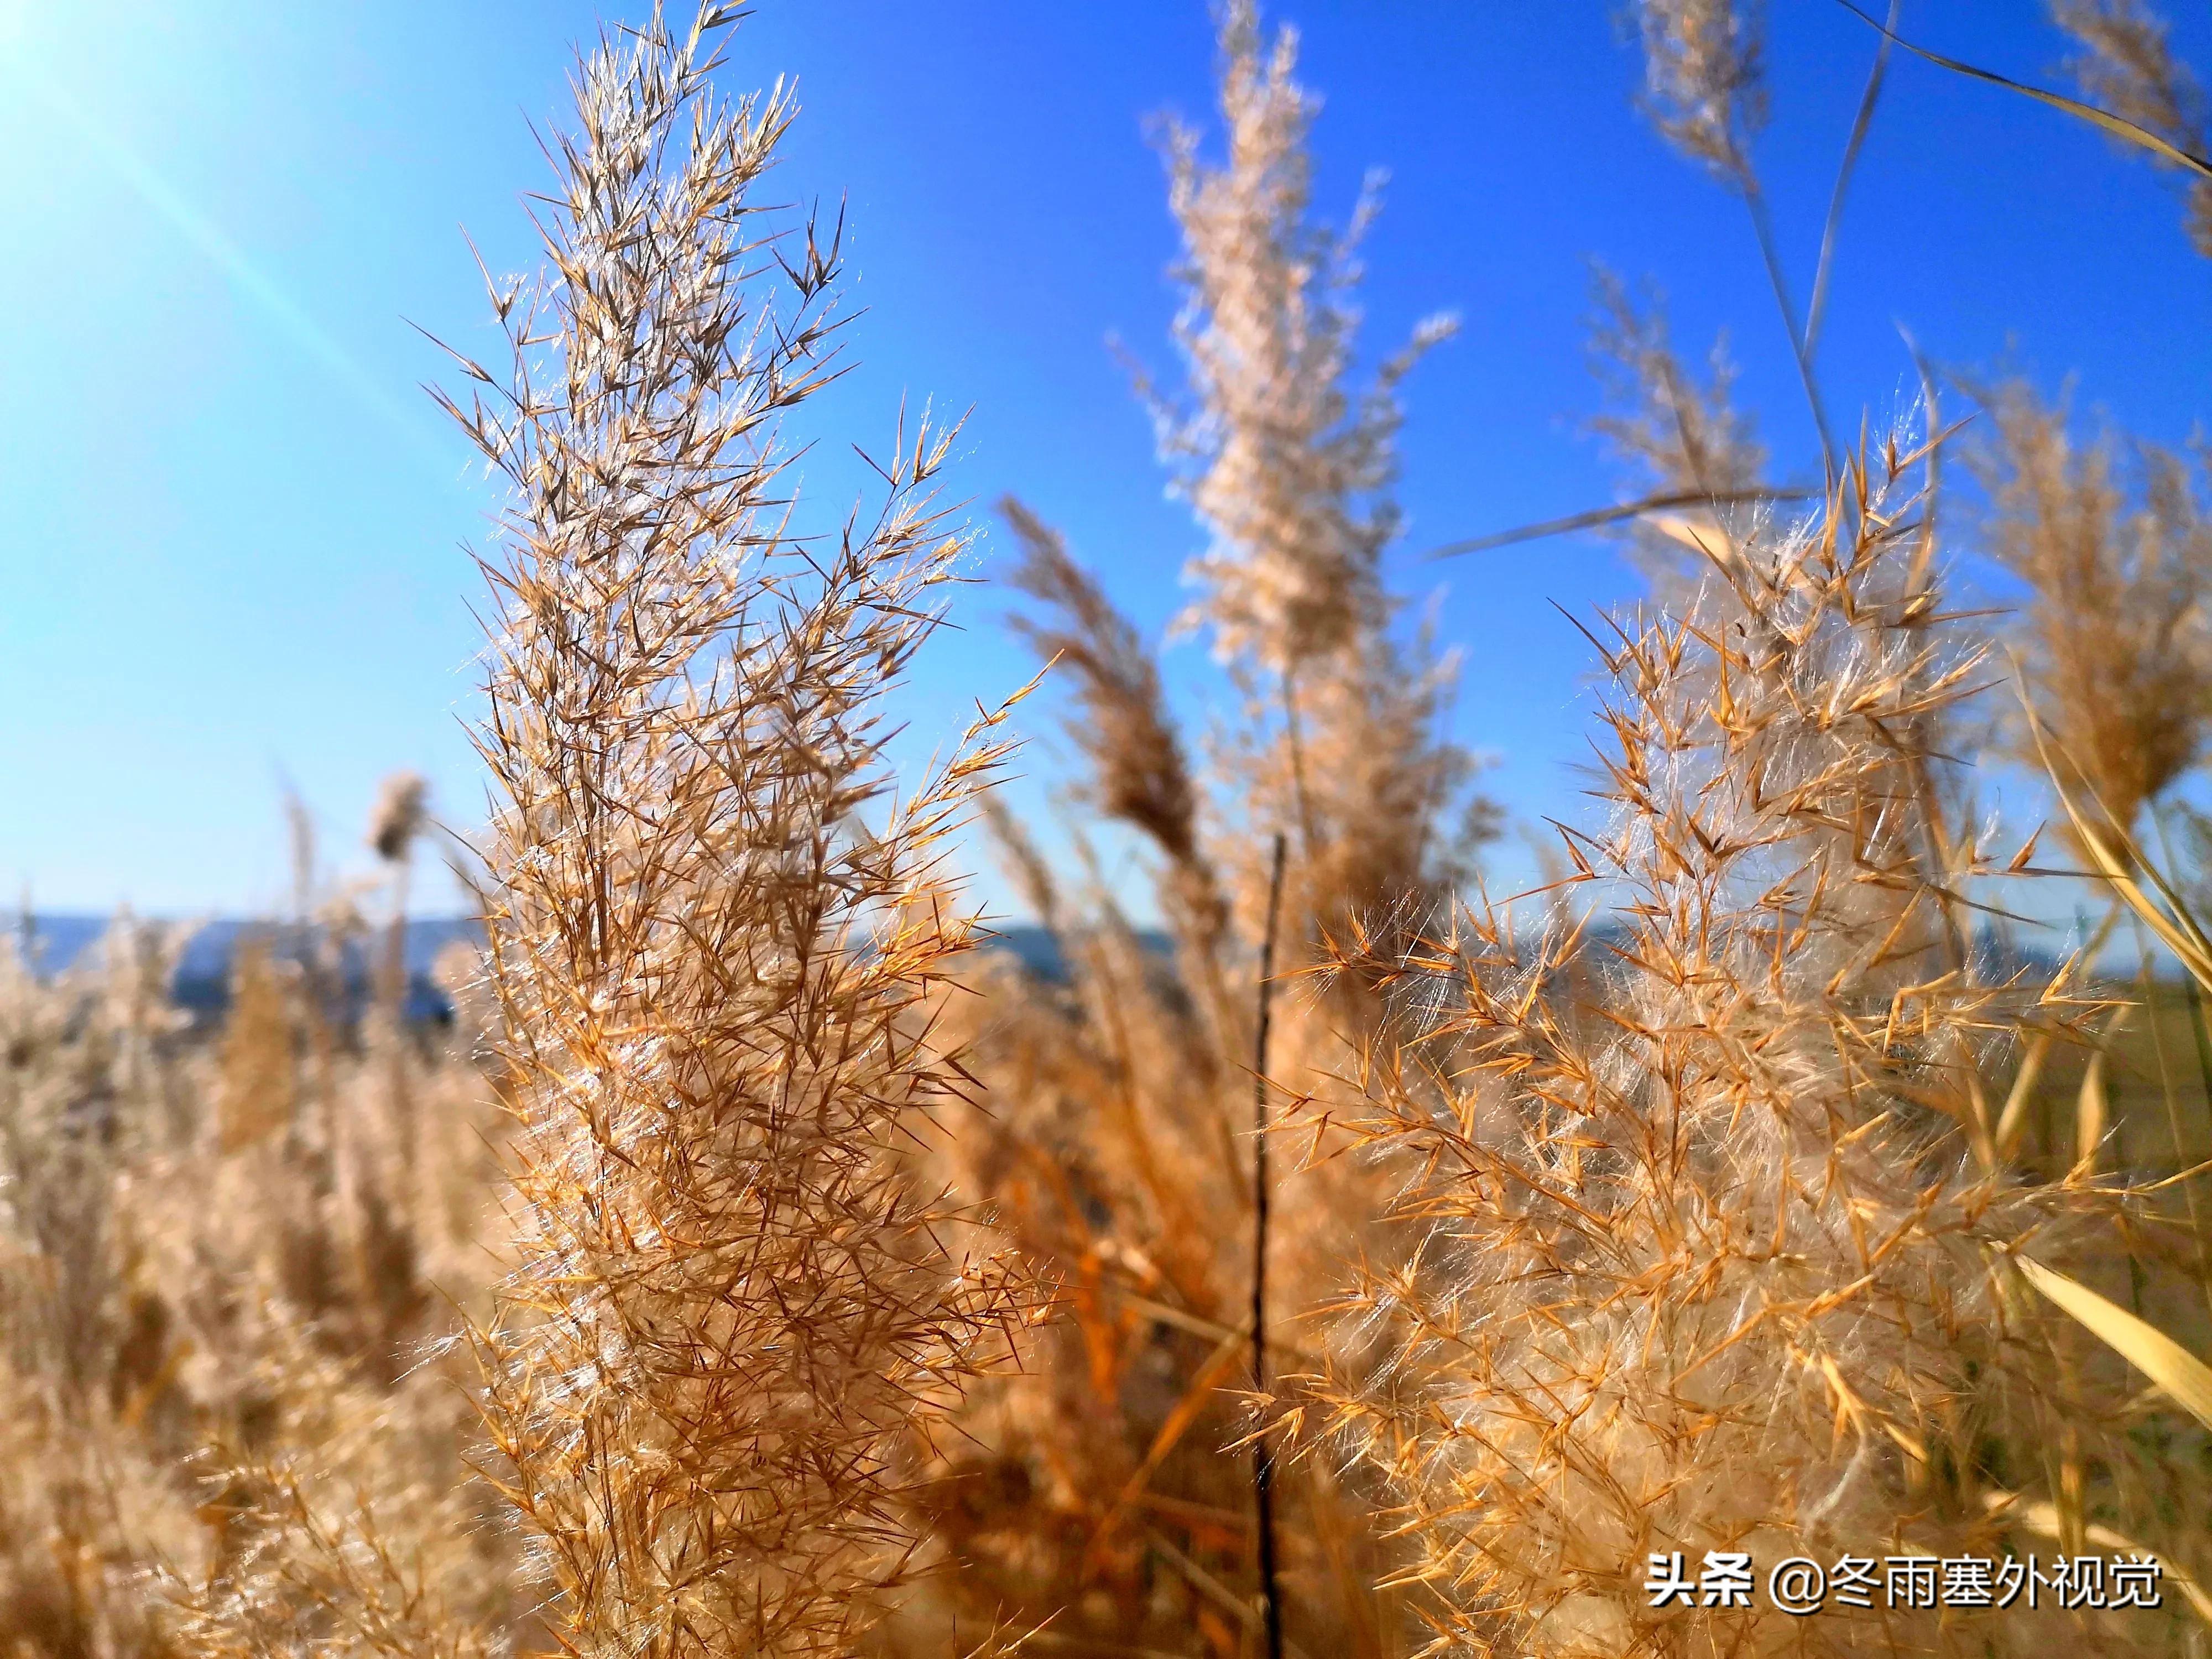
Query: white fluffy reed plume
column 1714, row 1238
column 1290, row 466
column 715, row 930
column 2116, row 548
column 1704, row 83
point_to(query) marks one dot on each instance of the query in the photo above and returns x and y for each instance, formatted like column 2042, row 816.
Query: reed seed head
column 398, row 815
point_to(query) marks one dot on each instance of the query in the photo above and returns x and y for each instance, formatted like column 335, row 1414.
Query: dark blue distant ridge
column 202, row 985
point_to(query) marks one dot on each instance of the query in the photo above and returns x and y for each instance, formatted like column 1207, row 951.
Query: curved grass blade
column 1599, row 517
column 2160, row 907
column 2126, row 131
column 2186, row 1379
column 1816, row 309
column 2043, row 1518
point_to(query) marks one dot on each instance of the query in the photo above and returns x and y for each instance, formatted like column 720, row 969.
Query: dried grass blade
column 2170, row 920
column 1171, row 1431
column 2186, row 1379
column 2126, row 131
column 2044, row 1518
column 1817, row 308
column 2091, row 1111
column 2014, row 1117
column 1598, row 517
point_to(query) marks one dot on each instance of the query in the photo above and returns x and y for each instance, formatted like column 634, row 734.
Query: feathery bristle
column 2115, row 636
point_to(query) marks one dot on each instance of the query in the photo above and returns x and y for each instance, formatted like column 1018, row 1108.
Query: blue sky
column 231, row 541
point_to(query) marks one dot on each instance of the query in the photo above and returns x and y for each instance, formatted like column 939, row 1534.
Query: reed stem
column 1263, row 1455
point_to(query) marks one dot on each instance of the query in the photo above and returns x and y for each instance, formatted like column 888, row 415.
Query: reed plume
column 1714, row 1231
column 715, row 929
column 1140, row 773
column 1290, row 468
column 1117, row 1141
column 398, row 815
column 260, row 1049
column 1683, row 440
column 2126, row 65
column 1705, row 86
column 1682, row 435
column 2113, row 638
column 1704, row 89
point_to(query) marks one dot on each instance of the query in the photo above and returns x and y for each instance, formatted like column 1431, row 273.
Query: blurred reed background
column 722, row 1244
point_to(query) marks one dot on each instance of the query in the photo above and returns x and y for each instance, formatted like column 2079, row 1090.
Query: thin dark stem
column 1818, row 309
column 1297, row 762
column 1762, row 226
column 1597, row 517
column 1263, row 1454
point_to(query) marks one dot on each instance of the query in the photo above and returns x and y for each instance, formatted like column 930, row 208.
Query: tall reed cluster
column 1116, row 1142
column 715, row 926
column 217, row 1285
column 1715, row 1238
column 758, row 1266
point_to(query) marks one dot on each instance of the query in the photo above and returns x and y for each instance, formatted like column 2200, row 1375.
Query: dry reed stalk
column 396, row 819
column 1139, row 773
column 1104, row 1145
column 1713, row 1243
column 716, row 931
column 1281, row 452
column 1263, row 1379
column 260, row 1060
column 1099, row 1491
column 1115, row 1142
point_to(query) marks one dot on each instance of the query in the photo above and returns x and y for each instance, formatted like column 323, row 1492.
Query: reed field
column 1324, row 1251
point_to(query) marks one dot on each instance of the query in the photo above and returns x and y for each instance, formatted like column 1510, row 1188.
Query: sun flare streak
column 208, row 239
